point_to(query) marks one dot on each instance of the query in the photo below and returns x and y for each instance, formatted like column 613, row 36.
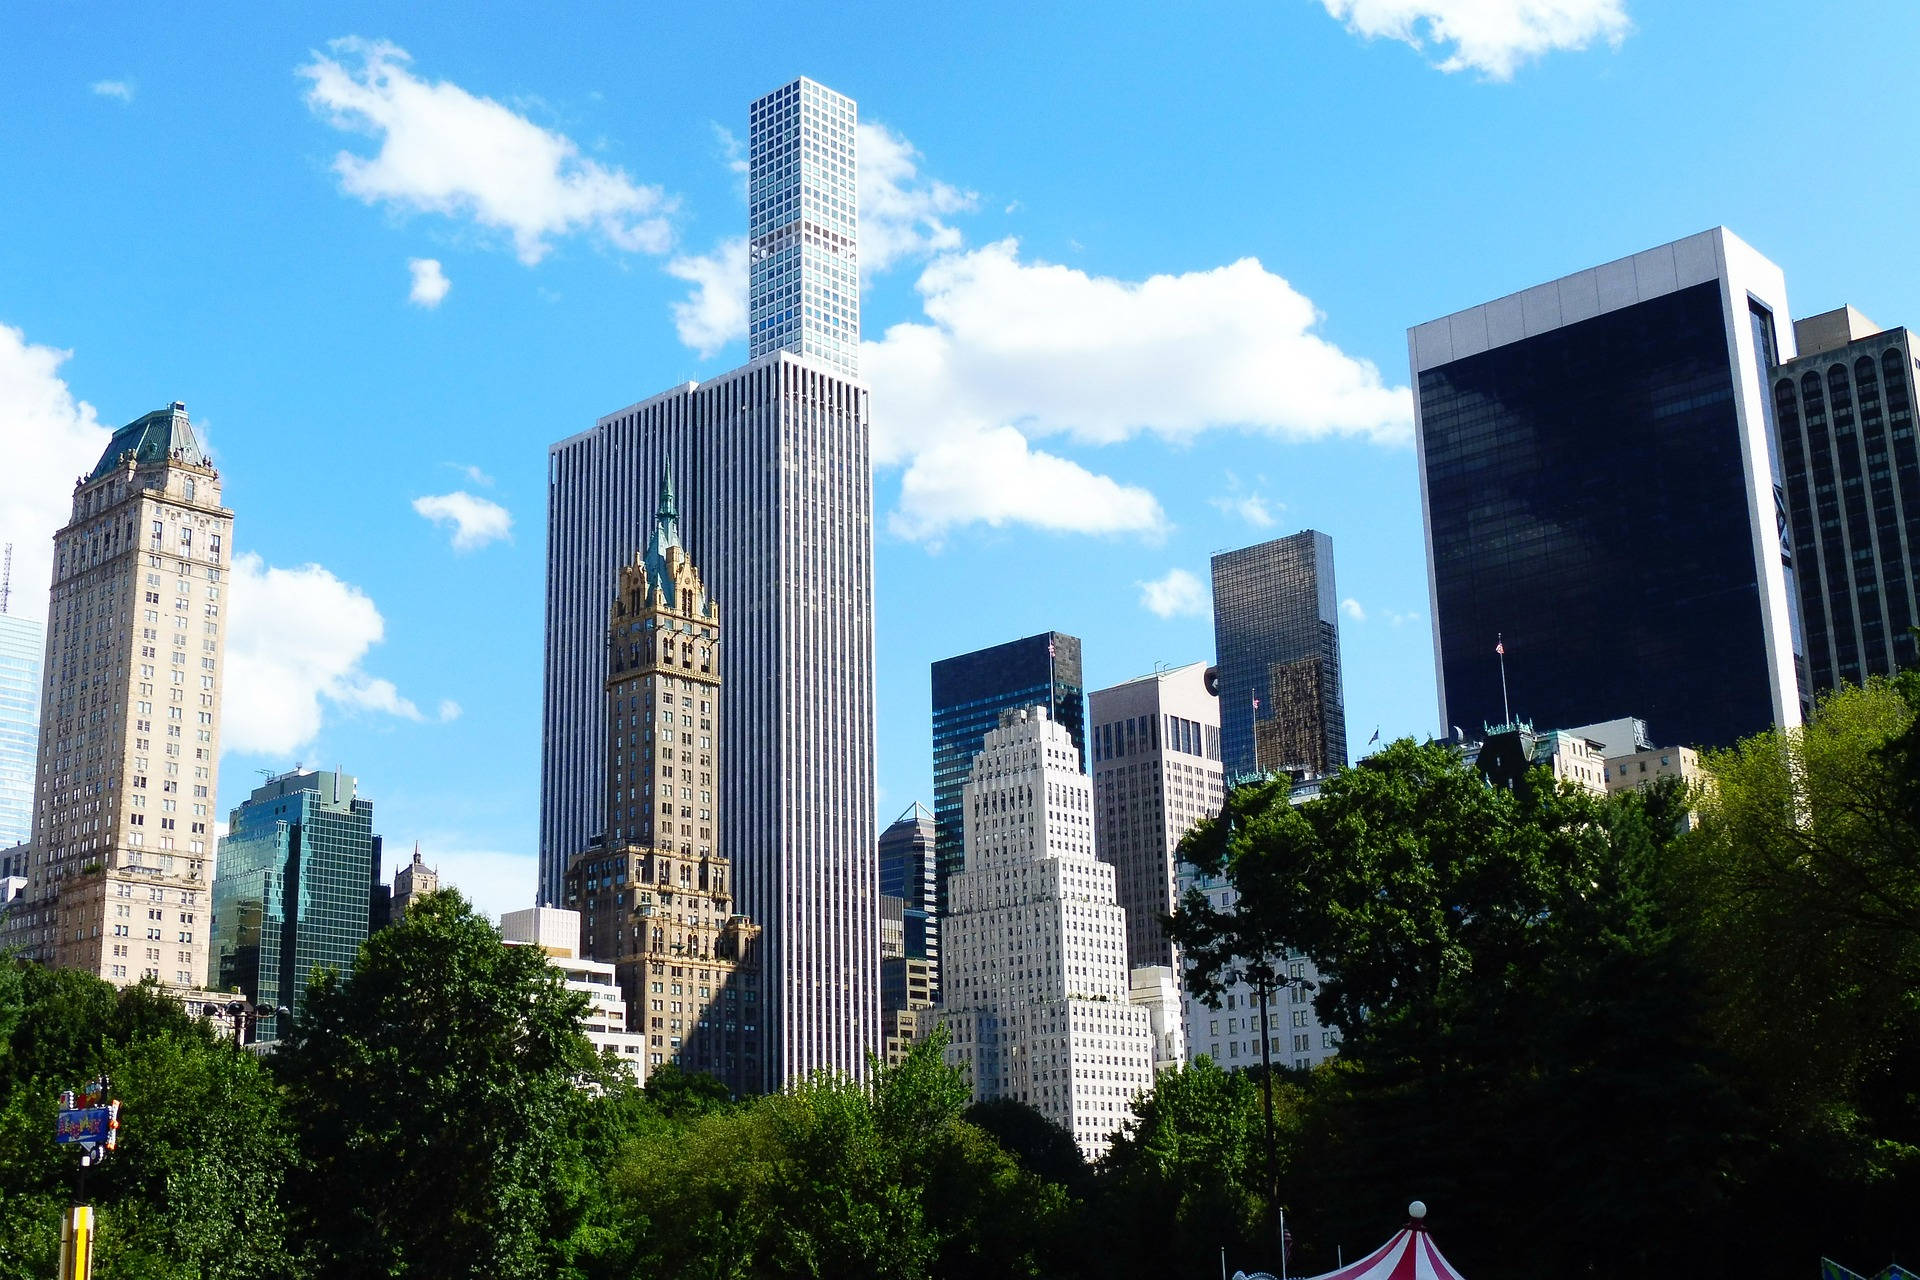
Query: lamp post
column 1265, row 980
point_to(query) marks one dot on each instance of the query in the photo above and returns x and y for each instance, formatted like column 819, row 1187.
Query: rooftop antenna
column 1500, row 648
column 6, row 579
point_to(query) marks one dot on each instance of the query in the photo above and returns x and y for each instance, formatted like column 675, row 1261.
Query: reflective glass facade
column 969, row 693
column 291, row 893
column 22, row 644
column 1846, row 424
column 1276, row 634
column 1587, row 503
column 907, row 873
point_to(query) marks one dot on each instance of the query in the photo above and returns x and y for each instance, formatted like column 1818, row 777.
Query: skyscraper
column 1038, row 996
column 130, row 719
column 772, row 461
column 969, row 693
column 1845, row 412
column 1156, row 772
column 907, row 873
column 803, row 226
column 1276, row 632
column 22, row 642
column 296, row 867
column 1602, row 496
column 656, row 897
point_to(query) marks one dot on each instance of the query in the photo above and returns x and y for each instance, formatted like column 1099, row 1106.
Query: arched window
column 1838, row 391
column 1894, row 362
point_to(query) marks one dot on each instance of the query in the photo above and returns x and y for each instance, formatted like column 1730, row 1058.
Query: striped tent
column 1410, row 1255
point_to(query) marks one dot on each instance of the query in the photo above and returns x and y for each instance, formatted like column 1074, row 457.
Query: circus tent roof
column 1410, row 1255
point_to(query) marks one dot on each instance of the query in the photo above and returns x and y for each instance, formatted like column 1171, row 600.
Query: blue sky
column 1138, row 285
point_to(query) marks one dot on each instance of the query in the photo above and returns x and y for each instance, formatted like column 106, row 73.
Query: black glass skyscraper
column 907, row 873
column 969, row 693
column 1603, row 500
column 1276, row 634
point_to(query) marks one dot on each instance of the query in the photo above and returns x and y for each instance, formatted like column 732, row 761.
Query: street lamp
column 1265, row 980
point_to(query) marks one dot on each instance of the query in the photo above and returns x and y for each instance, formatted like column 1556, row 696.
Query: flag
column 1376, row 736
column 1500, row 648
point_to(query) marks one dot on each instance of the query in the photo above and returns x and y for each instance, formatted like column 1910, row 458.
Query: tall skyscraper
column 1276, row 632
column 296, row 868
column 803, row 226
column 1156, row 772
column 130, row 718
column 773, row 460
column 22, row 642
column 1602, row 496
column 969, row 693
column 656, row 897
column 1845, row 412
column 1038, row 996
column 907, row 873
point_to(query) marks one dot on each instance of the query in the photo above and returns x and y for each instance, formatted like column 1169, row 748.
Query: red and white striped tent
column 1410, row 1255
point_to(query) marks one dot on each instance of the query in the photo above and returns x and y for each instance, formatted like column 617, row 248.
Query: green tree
column 436, row 1095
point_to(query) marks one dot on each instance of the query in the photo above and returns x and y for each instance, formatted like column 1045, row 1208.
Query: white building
column 1037, row 993
column 773, row 460
column 557, row 932
column 1154, row 743
column 1156, row 989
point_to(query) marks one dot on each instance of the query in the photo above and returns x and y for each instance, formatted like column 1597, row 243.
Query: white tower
column 803, row 226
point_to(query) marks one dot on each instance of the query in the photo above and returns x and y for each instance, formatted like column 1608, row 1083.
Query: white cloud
column 1012, row 348
column 475, row 521
column 994, row 477
column 1493, row 37
column 471, row 472
column 121, row 89
column 1174, row 594
column 294, row 647
column 1249, row 505
column 902, row 214
column 1352, row 609
column 443, row 150
column 51, row 440
column 430, row 283
column 715, row 313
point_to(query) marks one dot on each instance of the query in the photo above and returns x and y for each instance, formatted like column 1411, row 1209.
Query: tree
column 436, row 1097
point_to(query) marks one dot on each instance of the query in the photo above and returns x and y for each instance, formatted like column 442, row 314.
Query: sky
column 1137, row 280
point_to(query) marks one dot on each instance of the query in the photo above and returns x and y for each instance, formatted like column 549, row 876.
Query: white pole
column 1283, row 1244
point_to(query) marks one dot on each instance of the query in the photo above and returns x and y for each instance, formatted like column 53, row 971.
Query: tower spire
column 666, row 533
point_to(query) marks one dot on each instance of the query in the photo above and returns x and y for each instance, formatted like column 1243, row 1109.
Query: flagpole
column 1500, row 647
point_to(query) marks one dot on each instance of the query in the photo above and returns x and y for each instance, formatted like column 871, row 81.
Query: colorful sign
column 87, row 1125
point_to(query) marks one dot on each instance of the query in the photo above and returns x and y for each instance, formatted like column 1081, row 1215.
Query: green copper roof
column 666, row 533
column 154, row 438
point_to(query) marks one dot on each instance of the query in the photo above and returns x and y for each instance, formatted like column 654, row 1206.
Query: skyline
column 370, row 297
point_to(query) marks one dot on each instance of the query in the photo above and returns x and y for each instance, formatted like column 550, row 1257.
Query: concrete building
column 655, row 895
column 1844, row 409
column 23, row 642
column 774, row 458
column 557, row 932
column 296, row 868
column 1509, row 751
column 129, row 755
column 907, row 873
column 412, row 882
column 1038, row 996
column 1276, row 633
column 1156, row 989
column 1600, row 486
column 1156, row 772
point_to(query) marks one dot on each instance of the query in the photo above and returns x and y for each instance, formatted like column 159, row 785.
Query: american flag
column 1500, row 647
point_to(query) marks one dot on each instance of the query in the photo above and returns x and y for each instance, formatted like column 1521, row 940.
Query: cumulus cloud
column 1351, row 608
column 120, row 89
column 715, row 313
column 902, row 214
column 430, row 283
column 52, row 439
column 294, row 649
column 1249, row 505
column 1493, row 37
column 471, row 472
column 447, row 151
column 1174, row 594
column 475, row 521
column 993, row 476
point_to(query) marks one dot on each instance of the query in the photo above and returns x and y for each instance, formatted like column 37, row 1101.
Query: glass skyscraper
column 22, row 645
column 907, row 873
column 1604, row 502
column 772, row 462
column 1276, row 634
column 291, row 890
column 969, row 693
column 1845, row 412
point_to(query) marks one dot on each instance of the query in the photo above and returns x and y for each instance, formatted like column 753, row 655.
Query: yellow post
column 76, row 1244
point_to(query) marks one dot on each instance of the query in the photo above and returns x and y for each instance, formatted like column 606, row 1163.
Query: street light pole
column 1263, row 984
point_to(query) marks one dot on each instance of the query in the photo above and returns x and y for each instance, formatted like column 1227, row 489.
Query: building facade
column 656, row 894
column 556, row 932
column 129, row 755
column 774, row 459
column 803, row 224
column 296, row 869
column 1602, row 497
column 1845, row 413
column 1276, row 633
column 1038, row 997
column 1156, row 771
column 411, row 883
column 970, row 692
column 907, row 873
column 22, row 644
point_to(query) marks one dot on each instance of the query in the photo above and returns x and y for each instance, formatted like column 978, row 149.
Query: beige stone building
column 120, row 876
column 656, row 896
